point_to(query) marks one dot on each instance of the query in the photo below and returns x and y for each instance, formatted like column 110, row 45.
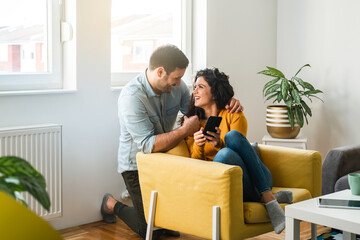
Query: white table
column 347, row 220
column 298, row 142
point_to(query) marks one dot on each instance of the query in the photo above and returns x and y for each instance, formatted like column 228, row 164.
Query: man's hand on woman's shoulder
column 234, row 106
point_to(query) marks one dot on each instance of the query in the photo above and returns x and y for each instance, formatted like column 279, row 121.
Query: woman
column 229, row 145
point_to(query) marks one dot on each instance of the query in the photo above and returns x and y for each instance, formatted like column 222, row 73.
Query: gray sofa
column 338, row 163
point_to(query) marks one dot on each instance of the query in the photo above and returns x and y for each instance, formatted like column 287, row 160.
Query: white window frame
column 52, row 79
column 118, row 80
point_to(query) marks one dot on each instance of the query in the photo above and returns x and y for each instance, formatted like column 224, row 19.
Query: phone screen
column 338, row 203
column 211, row 123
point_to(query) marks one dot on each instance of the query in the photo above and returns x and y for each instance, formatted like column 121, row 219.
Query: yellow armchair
column 17, row 222
column 187, row 189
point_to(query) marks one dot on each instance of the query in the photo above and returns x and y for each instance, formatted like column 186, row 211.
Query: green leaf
column 279, row 97
column 6, row 188
column 296, row 96
column 306, row 65
column 276, row 72
column 289, row 103
column 307, row 109
column 315, row 97
column 15, row 166
column 306, row 119
column 299, row 116
column 15, row 184
column 313, row 92
column 36, row 190
column 291, row 116
column 271, row 96
column 284, row 87
column 293, row 86
column 268, row 73
column 20, row 197
column 270, row 83
column 307, row 97
column 18, row 175
column 299, row 80
column 309, row 86
column 272, row 89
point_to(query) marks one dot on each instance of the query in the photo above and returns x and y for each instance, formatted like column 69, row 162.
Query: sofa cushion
column 255, row 212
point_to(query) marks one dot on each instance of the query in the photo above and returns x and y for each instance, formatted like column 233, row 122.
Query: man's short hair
column 169, row 57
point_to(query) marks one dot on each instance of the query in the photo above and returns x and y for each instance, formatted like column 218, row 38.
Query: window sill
column 117, row 88
column 37, row 92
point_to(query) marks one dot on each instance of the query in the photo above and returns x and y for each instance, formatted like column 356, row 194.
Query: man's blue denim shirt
column 144, row 114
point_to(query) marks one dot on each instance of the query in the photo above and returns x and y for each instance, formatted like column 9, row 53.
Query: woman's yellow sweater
column 230, row 121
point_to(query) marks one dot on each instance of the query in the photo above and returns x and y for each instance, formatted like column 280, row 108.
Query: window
column 30, row 40
column 139, row 26
column 4, row 52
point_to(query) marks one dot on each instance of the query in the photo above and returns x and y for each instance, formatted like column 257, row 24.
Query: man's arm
column 141, row 128
column 166, row 141
column 135, row 119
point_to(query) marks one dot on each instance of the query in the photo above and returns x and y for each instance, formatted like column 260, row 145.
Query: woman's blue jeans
column 256, row 176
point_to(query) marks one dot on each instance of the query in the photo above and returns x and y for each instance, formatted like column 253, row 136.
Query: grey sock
column 285, row 196
column 276, row 215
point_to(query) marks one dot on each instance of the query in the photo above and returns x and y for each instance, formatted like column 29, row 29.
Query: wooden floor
column 120, row 231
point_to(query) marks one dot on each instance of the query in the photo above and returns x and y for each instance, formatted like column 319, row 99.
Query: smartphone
column 338, row 203
column 211, row 123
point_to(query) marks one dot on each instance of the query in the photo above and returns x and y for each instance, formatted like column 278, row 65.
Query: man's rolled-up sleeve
column 137, row 122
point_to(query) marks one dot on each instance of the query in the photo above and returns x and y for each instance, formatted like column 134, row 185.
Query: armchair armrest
column 188, row 189
column 339, row 162
column 293, row 168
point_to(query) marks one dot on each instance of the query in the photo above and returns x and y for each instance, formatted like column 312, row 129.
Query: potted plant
column 17, row 175
column 291, row 91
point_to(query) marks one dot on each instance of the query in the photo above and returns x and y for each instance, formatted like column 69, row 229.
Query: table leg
column 349, row 236
column 292, row 231
column 313, row 231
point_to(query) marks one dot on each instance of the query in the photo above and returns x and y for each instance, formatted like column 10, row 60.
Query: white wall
column 88, row 117
column 326, row 35
column 241, row 41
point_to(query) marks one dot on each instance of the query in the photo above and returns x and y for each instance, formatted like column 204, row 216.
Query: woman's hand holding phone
column 199, row 137
column 213, row 138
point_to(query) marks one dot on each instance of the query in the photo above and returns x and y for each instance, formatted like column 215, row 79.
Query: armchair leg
column 216, row 223
column 150, row 226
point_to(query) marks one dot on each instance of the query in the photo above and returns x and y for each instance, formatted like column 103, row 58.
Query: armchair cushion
column 293, row 168
column 342, row 183
column 180, row 150
column 255, row 212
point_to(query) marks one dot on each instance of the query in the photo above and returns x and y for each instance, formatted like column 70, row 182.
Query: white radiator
column 41, row 146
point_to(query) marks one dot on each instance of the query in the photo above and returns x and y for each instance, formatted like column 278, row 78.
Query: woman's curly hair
column 220, row 89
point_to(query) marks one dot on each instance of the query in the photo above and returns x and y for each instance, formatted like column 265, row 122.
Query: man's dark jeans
column 132, row 216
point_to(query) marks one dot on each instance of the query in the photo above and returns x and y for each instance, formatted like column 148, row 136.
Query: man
column 148, row 108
